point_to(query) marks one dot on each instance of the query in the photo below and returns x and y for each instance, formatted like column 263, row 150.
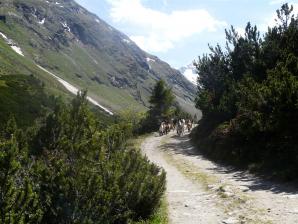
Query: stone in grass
column 244, row 188
column 229, row 194
column 231, row 220
column 211, row 186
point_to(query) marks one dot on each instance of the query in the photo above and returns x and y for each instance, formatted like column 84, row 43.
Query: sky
column 179, row 31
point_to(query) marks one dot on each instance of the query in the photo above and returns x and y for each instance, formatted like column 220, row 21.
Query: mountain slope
column 79, row 47
column 26, row 91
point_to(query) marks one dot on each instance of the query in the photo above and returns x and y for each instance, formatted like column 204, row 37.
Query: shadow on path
column 182, row 145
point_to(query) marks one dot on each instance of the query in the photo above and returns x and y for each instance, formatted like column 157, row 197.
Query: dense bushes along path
column 199, row 191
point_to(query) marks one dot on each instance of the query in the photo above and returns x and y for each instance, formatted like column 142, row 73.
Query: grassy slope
column 21, row 94
column 104, row 56
column 100, row 92
column 22, row 97
column 11, row 64
column 25, row 89
column 62, row 64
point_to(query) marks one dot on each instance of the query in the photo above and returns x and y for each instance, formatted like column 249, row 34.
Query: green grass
column 3, row 83
column 137, row 142
column 115, row 97
column 160, row 216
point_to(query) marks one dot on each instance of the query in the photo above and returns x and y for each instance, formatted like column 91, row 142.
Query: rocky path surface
column 200, row 191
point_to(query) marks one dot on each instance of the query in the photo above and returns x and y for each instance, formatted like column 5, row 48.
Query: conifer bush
column 71, row 170
column 252, row 89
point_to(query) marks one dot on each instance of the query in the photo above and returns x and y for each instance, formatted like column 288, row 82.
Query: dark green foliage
column 178, row 113
column 71, row 170
column 18, row 201
column 161, row 101
column 249, row 97
column 23, row 97
column 161, row 109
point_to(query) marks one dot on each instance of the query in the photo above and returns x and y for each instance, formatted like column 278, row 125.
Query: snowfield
column 126, row 41
column 150, row 59
column 4, row 36
column 42, row 21
column 191, row 76
column 17, row 50
column 11, row 44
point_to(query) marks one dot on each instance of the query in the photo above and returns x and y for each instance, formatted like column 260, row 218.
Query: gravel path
column 187, row 201
column 200, row 191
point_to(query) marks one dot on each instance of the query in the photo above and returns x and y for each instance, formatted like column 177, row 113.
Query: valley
column 95, row 130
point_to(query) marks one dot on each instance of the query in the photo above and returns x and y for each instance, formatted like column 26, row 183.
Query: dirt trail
column 200, row 191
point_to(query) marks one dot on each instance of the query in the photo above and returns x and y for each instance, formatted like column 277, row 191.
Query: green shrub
column 248, row 96
column 71, row 170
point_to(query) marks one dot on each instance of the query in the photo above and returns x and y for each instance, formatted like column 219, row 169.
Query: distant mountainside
column 189, row 72
column 76, row 45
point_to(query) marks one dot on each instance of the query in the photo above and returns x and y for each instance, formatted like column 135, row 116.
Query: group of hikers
column 180, row 125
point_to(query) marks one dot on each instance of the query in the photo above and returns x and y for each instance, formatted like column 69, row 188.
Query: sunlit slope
column 79, row 47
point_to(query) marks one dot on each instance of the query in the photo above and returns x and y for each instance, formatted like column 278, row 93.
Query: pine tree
column 248, row 95
column 161, row 102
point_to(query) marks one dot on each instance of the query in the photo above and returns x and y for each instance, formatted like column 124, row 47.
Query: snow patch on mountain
column 17, row 50
column 65, row 26
column 42, row 21
column 74, row 90
column 4, row 36
column 150, row 59
column 190, row 76
column 12, row 44
column 189, row 72
column 126, row 41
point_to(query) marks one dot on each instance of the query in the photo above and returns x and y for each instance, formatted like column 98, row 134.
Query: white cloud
column 152, row 43
column 277, row 2
column 240, row 31
column 158, row 31
column 280, row 2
